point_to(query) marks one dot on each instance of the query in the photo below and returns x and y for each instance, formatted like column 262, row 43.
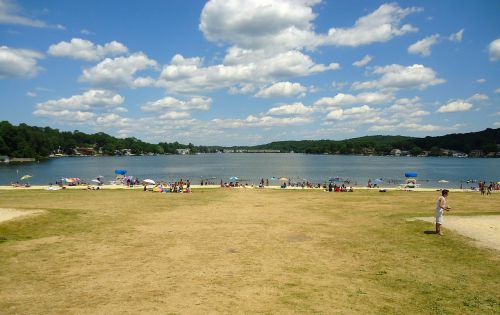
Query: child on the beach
column 440, row 208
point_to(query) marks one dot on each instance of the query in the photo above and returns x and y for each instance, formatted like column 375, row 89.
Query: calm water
column 252, row 167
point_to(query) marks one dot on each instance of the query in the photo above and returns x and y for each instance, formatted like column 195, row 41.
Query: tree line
column 40, row 142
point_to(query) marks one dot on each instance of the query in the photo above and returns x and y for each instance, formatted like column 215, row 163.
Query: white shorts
column 439, row 216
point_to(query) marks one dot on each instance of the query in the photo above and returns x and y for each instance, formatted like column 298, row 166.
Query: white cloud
column 481, row 81
column 380, row 26
column 120, row 72
column 496, row 124
column 65, row 115
column 284, row 25
column 83, row 49
column 342, row 99
column 188, row 75
column 457, row 37
column 413, row 127
column 455, row 106
column 478, row 98
column 171, row 103
column 423, row 46
column 114, row 120
column 88, row 101
column 31, row 94
column 397, row 77
column 259, row 24
column 340, row 114
column 174, row 115
column 86, row 32
column 363, row 62
column 261, row 121
column 290, row 109
column 12, row 13
column 494, row 50
column 497, row 90
column 20, row 63
column 282, row 89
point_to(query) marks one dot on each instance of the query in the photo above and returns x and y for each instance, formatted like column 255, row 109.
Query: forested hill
column 40, row 142
column 486, row 141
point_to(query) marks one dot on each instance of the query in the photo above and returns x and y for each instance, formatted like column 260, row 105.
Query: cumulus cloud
column 494, row 50
column 12, row 13
column 92, row 107
column 120, row 72
column 188, row 75
column 261, row 121
column 455, row 106
column 363, row 62
column 423, row 46
column 83, row 49
column 271, row 24
column 171, row 103
column 414, row 127
column 31, row 94
column 340, row 114
column 381, row 26
column 65, row 115
column 89, row 100
column 457, row 37
column 398, row 77
column 342, row 99
column 481, row 81
column 478, row 98
column 282, row 89
column 497, row 90
column 174, row 115
column 290, row 109
column 18, row 63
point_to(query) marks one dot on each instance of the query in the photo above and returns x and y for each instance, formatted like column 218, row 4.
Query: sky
column 234, row 72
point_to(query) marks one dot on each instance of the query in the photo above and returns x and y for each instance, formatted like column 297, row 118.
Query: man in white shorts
column 440, row 208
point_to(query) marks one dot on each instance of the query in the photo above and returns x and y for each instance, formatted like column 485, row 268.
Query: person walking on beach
column 440, row 208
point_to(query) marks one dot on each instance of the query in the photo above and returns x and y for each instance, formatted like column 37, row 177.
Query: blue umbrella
column 233, row 178
column 120, row 172
column 410, row 174
column 378, row 181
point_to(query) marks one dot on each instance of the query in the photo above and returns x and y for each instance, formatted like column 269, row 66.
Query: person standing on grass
column 440, row 208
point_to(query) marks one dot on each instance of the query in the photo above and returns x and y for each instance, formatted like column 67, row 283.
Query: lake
column 253, row 167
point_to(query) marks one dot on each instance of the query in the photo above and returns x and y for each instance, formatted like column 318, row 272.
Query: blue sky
column 249, row 72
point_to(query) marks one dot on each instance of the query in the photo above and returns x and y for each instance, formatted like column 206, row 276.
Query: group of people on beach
column 487, row 189
column 173, row 187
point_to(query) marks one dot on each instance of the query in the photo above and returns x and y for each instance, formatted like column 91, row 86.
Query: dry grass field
column 242, row 251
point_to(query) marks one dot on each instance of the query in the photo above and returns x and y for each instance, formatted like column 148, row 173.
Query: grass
column 242, row 251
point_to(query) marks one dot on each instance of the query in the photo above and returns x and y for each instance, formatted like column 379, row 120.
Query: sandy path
column 10, row 214
column 484, row 229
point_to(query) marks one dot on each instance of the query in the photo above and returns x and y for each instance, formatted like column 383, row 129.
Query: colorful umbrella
column 26, row 177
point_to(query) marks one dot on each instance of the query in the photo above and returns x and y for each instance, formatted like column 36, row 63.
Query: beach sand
column 483, row 229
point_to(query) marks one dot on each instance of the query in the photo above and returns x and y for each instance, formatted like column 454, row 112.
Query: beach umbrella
column 96, row 181
column 120, row 172
column 442, row 181
column 233, row 178
column 334, row 179
column 272, row 178
column 378, row 181
column 26, row 177
column 410, row 174
column 283, row 179
column 149, row 181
